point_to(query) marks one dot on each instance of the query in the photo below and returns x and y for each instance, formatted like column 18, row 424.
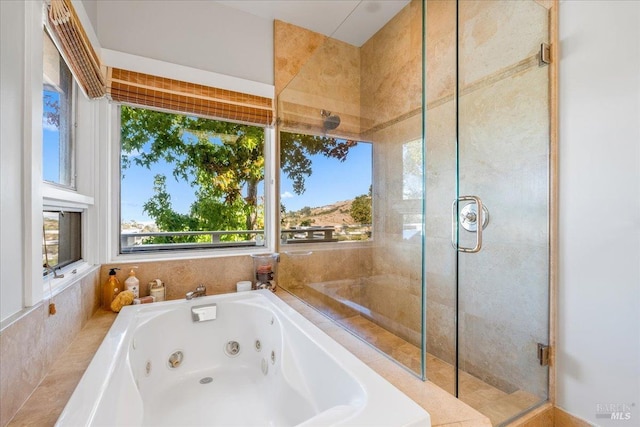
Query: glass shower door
column 501, row 215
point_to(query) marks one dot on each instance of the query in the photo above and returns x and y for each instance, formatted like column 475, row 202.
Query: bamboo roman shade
column 77, row 49
column 175, row 95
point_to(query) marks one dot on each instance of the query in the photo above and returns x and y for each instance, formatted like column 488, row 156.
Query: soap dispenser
column 132, row 283
column 110, row 289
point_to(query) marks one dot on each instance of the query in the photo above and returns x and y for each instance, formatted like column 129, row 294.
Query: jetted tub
column 258, row 363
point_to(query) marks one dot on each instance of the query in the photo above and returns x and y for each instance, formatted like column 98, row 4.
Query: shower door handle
column 480, row 220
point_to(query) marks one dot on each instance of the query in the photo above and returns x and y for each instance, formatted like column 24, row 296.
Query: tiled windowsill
column 46, row 403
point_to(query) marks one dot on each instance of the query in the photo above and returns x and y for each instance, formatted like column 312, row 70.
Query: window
column 57, row 118
column 63, row 207
column 189, row 182
column 62, row 237
column 326, row 189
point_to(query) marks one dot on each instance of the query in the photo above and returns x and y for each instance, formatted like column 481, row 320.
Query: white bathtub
column 296, row 375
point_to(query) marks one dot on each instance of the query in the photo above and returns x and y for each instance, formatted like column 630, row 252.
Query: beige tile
column 218, row 275
column 441, row 44
column 391, row 69
column 329, row 80
column 61, row 328
column 293, row 46
column 443, row 407
column 488, row 47
column 539, row 417
column 564, row 419
column 47, row 401
column 22, row 365
column 91, row 296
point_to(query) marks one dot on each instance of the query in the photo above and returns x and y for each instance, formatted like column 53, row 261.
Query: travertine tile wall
column 440, row 149
column 377, row 91
column 314, row 73
column 391, row 74
column 299, row 268
column 30, row 345
column 218, row 275
column 391, row 99
column 503, row 143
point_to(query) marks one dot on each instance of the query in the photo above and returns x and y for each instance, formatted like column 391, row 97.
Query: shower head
column 330, row 121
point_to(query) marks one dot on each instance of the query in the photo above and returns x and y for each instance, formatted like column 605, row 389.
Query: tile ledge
column 468, row 417
column 15, row 317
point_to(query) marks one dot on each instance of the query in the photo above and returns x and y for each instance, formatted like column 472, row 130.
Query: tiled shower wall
column 504, row 154
column 504, row 117
column 377, row 91
column 32, row 343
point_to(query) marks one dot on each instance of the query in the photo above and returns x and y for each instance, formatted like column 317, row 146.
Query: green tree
column 305, row 211
column 361, row 208
column 222, row 161
column 219, row 159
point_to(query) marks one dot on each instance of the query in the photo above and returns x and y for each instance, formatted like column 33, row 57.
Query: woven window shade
column 83, row 61
column 175, row 95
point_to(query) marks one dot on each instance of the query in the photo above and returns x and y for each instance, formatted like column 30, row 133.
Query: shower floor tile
column 496, row 404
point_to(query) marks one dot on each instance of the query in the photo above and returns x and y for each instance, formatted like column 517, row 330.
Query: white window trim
column 32, row 155
column 72, row 273
column 297, row 249
column 113, row 238
column 39, row 194
column 55, row 197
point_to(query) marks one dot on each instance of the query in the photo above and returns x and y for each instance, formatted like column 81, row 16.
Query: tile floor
column 496, row 404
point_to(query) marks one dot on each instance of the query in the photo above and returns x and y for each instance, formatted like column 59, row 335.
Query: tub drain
column 206, row 380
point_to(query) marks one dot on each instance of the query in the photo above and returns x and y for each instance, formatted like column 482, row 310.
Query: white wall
column 598, row 357
column 12, row 20
column 91, row 9
column 21, row 188
column 200, row 34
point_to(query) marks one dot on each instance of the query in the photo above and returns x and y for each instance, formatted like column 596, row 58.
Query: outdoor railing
column 135, row 242
column 308, row 234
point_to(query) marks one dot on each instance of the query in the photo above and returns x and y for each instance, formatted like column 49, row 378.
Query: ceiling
column 352, row 21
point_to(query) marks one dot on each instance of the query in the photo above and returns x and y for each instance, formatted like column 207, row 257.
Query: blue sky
column 137, row 188
column 331, row 181
column 50, row 144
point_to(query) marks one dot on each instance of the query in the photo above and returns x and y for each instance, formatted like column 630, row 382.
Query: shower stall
column 449, row 273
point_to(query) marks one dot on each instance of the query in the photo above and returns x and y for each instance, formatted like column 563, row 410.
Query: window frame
column 193, row 253
column 328, row 245
column 73, row 116
column 60, row 197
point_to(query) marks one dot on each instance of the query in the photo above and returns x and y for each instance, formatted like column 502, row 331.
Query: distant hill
column 334, row 214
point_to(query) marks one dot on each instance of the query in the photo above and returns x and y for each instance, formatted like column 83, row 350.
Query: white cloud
column 48, row 126
column 134, row 153
column 287, row 195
